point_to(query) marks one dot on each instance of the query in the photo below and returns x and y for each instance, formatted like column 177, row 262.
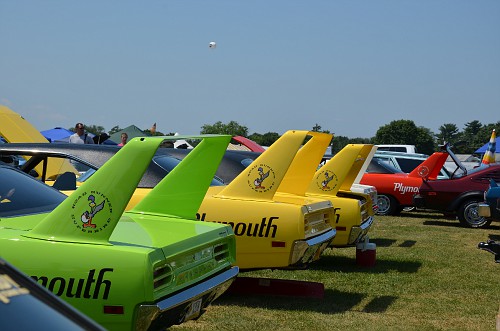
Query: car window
column 386, row 160
column 21, row 194
column 381, row 167
column 246, row 162
column 168, row 163
column 408, row 165
column 46, row 311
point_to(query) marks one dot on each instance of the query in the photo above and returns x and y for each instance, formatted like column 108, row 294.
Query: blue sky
column 349, row 66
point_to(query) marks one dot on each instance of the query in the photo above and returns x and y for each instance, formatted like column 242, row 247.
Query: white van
column 397, row 148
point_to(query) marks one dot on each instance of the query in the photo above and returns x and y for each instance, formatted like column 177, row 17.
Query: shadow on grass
column 379, row 304
column 383, row 242
column 333, row 302
column 345, row 264
column 444, row 222
column 456, row 224
column 494, row 237
column 428, row 215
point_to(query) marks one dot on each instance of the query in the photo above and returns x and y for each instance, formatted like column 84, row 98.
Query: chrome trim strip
column 327, row 236
column 197, row 290
column 367, row 223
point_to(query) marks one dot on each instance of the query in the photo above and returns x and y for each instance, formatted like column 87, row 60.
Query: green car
column 145, row 269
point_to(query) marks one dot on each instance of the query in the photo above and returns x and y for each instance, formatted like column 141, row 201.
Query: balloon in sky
column 212, row 44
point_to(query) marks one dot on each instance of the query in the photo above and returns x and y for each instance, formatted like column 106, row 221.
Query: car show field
column 429, row 275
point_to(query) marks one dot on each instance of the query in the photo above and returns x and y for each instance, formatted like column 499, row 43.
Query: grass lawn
column 429, row 275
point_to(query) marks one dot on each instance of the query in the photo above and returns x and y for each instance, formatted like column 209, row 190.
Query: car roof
column 402, row 154
column 231, row 164
column 95, row 155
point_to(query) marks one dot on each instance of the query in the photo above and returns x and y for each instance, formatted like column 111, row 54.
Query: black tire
column 469, row 217
column 387, row 205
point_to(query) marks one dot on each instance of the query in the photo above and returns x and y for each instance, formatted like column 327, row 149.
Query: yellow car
column 269, row 233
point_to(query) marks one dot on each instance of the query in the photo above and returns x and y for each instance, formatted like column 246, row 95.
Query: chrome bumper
column 358, row 233
column 306, row 251
column 185, row 305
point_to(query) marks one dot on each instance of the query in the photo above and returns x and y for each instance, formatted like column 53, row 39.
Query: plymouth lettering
column 78, row 288
column 263, row 229
column 403, row 189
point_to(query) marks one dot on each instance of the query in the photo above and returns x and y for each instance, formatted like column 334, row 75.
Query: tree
column 339, row 142
column 469, row 139
column 232, row 128
column 424, row 141
column 448, row 133
column 405, row 132
column 316, row 128
column 114, row 129
column 266, row 139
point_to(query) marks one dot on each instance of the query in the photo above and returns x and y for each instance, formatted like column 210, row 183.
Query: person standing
column 80, row 136
column 123, row 138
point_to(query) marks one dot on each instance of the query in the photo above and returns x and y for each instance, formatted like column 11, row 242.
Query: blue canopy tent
column 57, row 135
column 483, row 149
column 61, row 135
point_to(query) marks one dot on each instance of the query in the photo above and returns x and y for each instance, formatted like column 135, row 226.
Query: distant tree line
column 405, row 132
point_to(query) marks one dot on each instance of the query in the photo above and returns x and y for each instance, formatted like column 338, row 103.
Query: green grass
column 429, row 275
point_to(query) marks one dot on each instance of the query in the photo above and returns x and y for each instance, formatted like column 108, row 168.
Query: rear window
column 381, row 167
column 408, row 165
column 21, row 194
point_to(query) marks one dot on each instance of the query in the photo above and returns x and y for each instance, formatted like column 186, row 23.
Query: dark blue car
column 491, row 206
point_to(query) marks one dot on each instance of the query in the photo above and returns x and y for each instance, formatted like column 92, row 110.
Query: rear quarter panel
column 402, row 188
column 256, row 225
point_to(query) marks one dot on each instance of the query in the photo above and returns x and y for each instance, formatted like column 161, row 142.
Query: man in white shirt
column 80, row 137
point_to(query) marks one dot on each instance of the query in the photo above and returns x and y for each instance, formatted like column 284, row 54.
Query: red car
column 461, row 194
column 396, row 188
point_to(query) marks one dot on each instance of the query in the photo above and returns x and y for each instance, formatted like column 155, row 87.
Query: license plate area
column 194, row 309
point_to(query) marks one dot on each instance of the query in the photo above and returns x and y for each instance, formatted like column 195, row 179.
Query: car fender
column 455, row 204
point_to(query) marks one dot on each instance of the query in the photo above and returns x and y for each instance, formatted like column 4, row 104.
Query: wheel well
column 465, row 196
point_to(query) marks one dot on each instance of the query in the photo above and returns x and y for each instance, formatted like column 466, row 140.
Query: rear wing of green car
column 107, row 192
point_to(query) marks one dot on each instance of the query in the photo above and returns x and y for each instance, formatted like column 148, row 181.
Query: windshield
column 21, row 194
column 46, row 311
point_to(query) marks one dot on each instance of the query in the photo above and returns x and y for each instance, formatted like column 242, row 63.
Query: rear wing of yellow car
column 261, row 179
column 90, row 214
column 341, row 170
column 303, row 176
column 305, row 163
column 359, row 167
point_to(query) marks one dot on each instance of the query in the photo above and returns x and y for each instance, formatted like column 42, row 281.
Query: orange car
column 396, row 188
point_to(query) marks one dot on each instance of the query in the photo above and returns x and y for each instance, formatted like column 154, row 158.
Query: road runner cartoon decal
column 327, row 180
column 86, row 209
column 261, row 178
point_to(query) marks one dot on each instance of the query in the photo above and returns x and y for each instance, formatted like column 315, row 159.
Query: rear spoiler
column 341, row 170
column 261, row 179
column 91, row 213
column 430, row 168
